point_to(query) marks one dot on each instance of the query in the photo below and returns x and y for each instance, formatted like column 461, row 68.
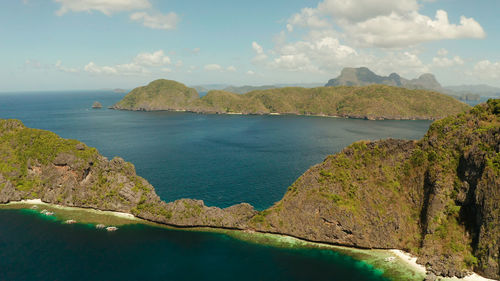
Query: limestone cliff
column 40, row 164
column 438, row 198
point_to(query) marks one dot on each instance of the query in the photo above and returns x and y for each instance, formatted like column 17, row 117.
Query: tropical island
column 374, row 102
column 437, row 198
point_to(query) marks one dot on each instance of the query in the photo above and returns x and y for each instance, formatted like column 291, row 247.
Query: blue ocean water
column 222, row 159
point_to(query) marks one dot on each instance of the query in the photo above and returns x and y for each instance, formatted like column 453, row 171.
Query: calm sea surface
column 221, row 159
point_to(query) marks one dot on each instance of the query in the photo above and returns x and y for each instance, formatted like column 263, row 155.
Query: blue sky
column 92, row 44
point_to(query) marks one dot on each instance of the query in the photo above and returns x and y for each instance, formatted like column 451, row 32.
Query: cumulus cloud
column 156, row 20
column 119, row 69
column 142, row 63
column 157, row 58
column 250, row 72
column 259, row 52
column 213, row 67
column 231, row 68
column 361, row 10
column 400, row 30
column 63, row 68
column 486, row 69
column 447, row 62
column 384, row 23
column 312, row 54
column 442, row 52
column 106, row 7
column 308, row 17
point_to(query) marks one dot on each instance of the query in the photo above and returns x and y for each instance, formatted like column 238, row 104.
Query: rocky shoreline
column 436, row 198
column 365, row 117
column 400, row 264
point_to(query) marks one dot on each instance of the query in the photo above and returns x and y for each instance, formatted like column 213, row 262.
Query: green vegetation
column 371, row 102
column 437, row 197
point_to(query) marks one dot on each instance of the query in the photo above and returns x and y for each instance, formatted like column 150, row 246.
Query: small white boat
column 70, row 222
column 111, row 228
column 49, row 213
column 43, row 211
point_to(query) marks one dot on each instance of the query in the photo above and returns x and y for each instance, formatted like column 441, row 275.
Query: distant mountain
column 363, row 76
column 483, row 90
column 119, row 91
column 209, row 87
column 246, row 89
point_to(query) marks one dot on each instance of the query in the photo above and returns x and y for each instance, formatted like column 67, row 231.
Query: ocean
column 220, row 159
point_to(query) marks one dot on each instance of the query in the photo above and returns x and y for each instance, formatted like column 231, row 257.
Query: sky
column 95, row 44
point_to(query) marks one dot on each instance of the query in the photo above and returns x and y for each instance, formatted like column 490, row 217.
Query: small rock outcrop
column 96, row 105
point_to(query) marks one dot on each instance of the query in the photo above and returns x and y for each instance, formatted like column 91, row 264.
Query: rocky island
column 96, row 105
column 437, row 198
column 367, row 102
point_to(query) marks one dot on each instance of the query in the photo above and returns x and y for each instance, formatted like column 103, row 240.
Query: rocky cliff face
column 438, row 198
column 363, row 76
column 39, row 164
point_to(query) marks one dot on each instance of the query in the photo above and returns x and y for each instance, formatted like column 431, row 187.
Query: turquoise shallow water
column 222, row 159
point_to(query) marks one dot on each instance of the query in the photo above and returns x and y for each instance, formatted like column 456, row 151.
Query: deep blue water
column 222, row 159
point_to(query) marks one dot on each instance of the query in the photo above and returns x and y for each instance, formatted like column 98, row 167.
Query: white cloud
column 361, row 10
column 259, row 52
column 231, row 68
column 257, row 48
column 34, row 64
column 486, row 69
column 91, row 67
column 442, row 52
column 106, row 7
column 447, row 62
column 250, row 72
column 400, row 30
column 157, row 58
column 310, row 55
column 213, row 67
column 383, row 23
column 156, row 20
column 308, row 17
column 63, row 68
column 167, row 70
column 179, row 64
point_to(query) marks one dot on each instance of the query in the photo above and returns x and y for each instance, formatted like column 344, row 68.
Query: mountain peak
column 363, row 76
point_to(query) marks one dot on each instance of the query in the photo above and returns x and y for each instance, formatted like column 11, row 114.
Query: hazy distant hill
column 246, row 89
column 483, row 90
column 363, row 76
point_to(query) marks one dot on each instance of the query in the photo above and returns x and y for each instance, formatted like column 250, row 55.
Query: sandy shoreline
column 409, row 260
column 40, row 202
column 403, row 257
